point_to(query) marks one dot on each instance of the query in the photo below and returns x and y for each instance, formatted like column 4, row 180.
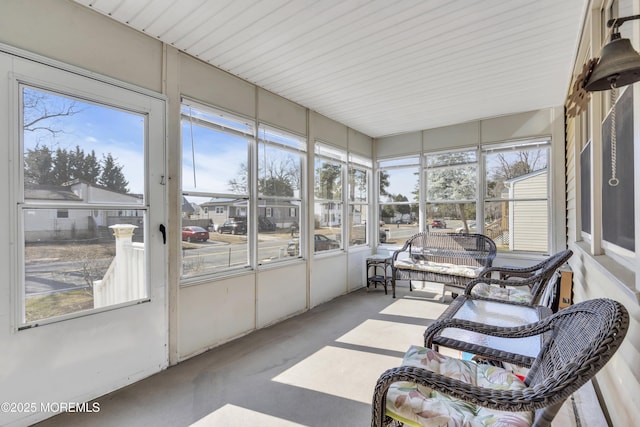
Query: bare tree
column 277, row 177
column 517, row 164
column 40, row 111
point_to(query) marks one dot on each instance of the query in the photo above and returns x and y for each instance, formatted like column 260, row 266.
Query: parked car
column 404, row 220
column 438, row 223
column 192, row 233
column 320, row 243
column 233, row 227
column 471, row 225
column 323, row 243
column 265, row 224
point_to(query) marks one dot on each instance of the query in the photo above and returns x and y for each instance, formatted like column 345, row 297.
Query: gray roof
column 49, row 192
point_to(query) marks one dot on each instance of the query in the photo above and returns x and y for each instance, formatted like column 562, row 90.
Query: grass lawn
column 57, row 304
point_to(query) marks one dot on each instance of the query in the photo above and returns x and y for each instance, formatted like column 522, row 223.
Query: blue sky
column 217, row 156
column 93, row 127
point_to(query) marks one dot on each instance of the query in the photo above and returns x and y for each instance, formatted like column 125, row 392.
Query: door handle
column 163, row 230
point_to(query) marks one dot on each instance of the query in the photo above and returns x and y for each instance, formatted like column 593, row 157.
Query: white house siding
column 529, row 217
column 599, row 276
column 43, row 225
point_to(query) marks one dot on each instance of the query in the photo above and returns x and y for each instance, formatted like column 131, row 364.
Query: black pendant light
column 619, row 64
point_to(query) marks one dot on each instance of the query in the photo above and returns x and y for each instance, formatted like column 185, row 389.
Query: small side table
column 378, row 271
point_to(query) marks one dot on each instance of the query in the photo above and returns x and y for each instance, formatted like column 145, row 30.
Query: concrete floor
column 316, row 369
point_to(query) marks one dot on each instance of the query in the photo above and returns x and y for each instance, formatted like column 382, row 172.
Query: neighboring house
column 84, row 223
column 281, row 213
column 198, row 212
column 219, row 210
column 527, row 215
column 187, row 208
column 330, row 214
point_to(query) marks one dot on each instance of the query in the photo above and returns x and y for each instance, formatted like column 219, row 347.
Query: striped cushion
column 471, row 272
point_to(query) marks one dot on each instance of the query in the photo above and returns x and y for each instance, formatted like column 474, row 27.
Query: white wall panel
column 327, row 130
column 73, row 34
column 515, row 126
column 398, row 145
column 211, row 86
column 281, row 292
column 216, row 312
column 447, row 137
column 357, row 276
column 282, row 113
column 360, row 143
column 328, row 279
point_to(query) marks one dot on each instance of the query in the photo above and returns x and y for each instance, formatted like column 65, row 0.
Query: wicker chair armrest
column 405, row 248
column 553, row 262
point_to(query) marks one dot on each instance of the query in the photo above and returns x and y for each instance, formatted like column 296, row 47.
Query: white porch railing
column 124, row 279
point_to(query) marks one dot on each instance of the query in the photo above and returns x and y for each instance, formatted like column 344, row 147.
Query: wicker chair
column 523, row 286
column 430, row 389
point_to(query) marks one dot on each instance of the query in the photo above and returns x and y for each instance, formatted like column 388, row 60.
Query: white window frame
column 250, row 135
column 294, row 144
column 399, row 163
column 475, row 200
column 508, row 146
column 329, row 153
column 109, row 93
column 364, row 164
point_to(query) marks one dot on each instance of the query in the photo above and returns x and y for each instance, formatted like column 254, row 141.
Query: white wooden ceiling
column 381, row 67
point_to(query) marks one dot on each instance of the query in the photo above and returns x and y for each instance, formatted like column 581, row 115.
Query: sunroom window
column 358, row 176
column 398, row 198
column 215, row 190
column 330, row 169
column 451, row 191
column 281, row 157
column 83, row 208
column 516, row 190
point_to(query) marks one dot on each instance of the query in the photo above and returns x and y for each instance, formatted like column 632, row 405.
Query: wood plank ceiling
column 381, row 67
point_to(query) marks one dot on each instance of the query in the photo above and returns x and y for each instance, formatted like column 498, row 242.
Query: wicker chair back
column 582, row 339
column 535, row 278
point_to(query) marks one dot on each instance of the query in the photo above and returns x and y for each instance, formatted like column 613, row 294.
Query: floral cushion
column 417, row 405
column 518, row 295
column 439, row 267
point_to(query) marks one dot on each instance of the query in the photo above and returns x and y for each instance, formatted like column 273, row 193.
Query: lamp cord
column 613, row 181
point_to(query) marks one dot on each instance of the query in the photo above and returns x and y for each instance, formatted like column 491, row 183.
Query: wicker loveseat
column 453, row 259
column 431, row 389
